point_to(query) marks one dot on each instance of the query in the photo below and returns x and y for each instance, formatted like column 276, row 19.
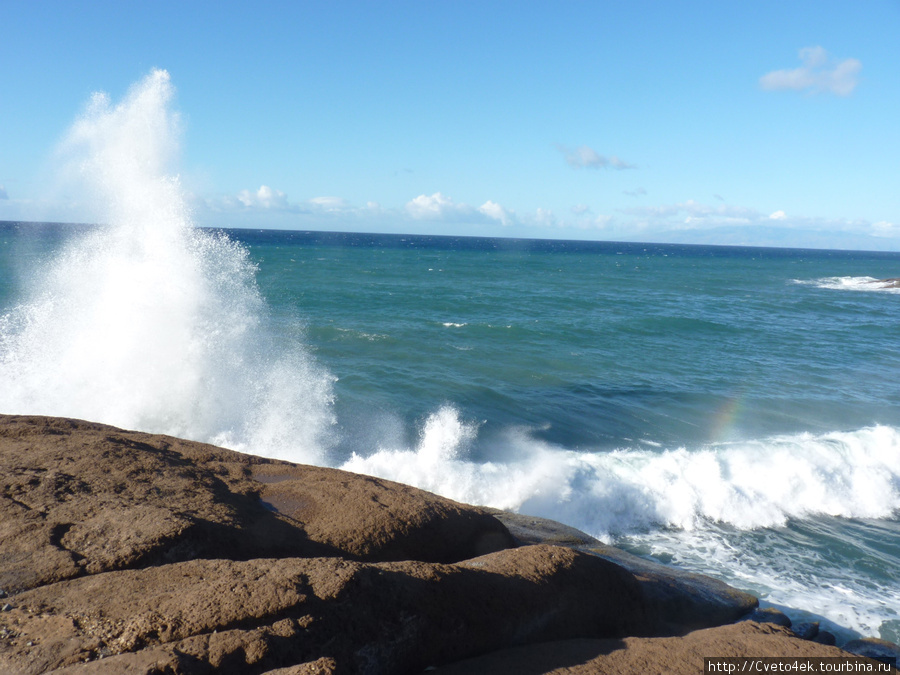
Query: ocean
column 732, row 411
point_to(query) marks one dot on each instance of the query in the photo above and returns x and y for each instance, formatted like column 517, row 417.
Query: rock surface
column 874, row 648
column 125, row 552
column 674, row 656
column 770, row 615
column 249, row 616
column 679, row 600
column 83, row 498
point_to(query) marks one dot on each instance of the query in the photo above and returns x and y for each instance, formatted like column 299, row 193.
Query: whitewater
column 730, row 411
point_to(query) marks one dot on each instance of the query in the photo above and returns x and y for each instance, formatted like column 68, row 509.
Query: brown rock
column 373, row 519
column 83, row 498
column 258, row 615
column 675, row 656
column 679, row 601
column 126, row 552
column 323, row 666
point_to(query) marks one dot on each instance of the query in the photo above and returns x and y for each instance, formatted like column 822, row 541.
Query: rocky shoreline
column 126, row 552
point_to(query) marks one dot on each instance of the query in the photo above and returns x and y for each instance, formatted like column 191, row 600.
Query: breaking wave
column 148, row 323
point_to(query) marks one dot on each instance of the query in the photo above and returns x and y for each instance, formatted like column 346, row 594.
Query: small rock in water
column 825, row 638
column 807, row 630
column 893, row 282
column 873, row 648
column 769, row 615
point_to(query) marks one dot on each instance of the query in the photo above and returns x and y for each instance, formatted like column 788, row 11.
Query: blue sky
column 768, row 123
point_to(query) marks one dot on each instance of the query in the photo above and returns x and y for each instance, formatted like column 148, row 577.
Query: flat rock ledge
column 125, row 552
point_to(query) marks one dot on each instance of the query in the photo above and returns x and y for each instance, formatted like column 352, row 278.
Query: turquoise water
column 596, row 345
column 730, row 410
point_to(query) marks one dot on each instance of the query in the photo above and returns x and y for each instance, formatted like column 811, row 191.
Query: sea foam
column 747, row 485
column 730, row 510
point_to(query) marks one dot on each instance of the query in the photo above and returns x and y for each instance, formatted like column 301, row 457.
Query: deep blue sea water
column 733, row 411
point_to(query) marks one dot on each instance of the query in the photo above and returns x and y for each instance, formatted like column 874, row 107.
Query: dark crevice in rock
column 20, row 504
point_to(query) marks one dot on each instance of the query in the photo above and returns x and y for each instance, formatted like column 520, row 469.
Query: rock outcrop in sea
column 127, row 552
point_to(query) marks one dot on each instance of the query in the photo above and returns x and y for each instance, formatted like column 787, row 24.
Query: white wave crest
column 746, row 485
column 870, row 284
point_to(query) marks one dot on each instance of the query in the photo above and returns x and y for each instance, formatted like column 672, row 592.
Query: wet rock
column 680, row 601
column 670, row 655
column 534, row 530
column 873, row 648
column 807, row 630
column 769, row 615
column 825, row 638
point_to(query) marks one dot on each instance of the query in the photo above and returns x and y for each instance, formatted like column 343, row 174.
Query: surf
column 147, row 322
column 746, row 485
column 777, row 516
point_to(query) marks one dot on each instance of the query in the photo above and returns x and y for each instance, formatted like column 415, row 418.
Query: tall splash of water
column 148, row 323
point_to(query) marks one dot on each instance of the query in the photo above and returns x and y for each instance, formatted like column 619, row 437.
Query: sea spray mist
column 148, row 323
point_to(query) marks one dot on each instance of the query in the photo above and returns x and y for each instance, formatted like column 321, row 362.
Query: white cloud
column 584, row 157
column 637, row 192
column 497, row 212
column 595, row 223
column 435, row 207
column 691, row 215
column 441, row 207
column 818, row 74
column 265, row 198
column 270, row 199
column 683, row 222
column 330, row 203
column 3, row 193
column 545, row 218
column 693, row 222
column 884, row 228
column 586, row 219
